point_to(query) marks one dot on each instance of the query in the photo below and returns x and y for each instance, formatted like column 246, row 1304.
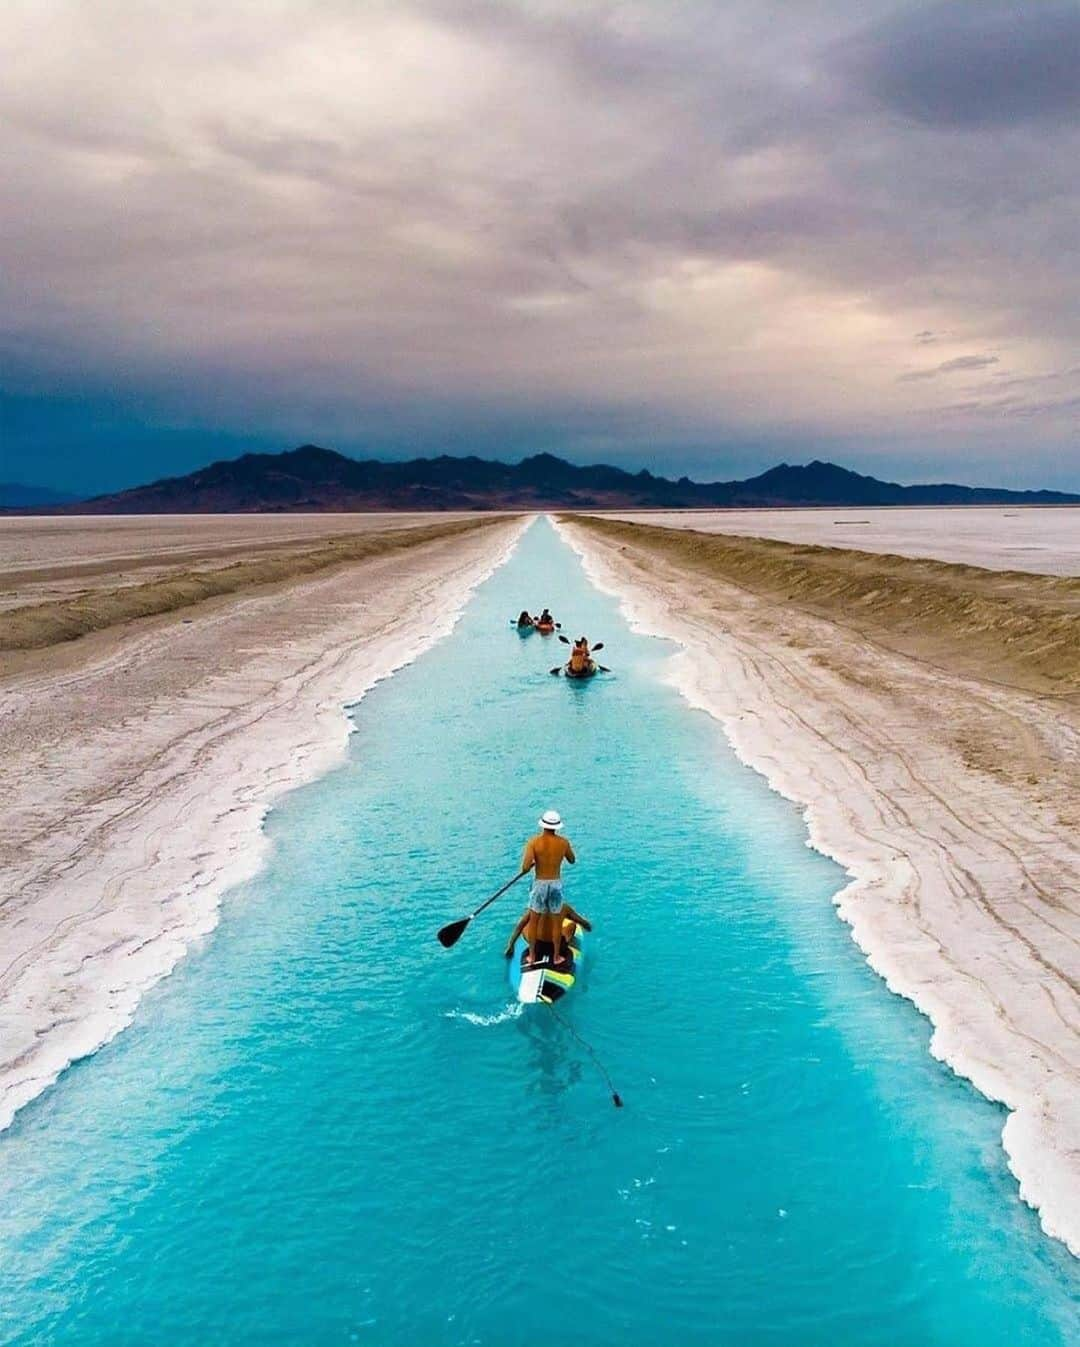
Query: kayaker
column 546, row 620
column 581, row 661
column 544, row 855
column 524, row 618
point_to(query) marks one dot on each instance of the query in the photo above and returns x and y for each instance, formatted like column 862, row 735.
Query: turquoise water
column 323, row 1128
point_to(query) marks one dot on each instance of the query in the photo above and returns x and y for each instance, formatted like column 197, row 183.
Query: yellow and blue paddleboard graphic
column 542, row 981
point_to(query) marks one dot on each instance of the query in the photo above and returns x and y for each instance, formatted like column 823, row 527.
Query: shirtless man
column 544, row 854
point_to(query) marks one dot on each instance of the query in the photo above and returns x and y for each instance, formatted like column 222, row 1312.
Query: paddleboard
column 540, row 981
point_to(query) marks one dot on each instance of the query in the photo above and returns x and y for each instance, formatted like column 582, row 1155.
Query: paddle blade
column 603, row 668
column 564, row 639
column 450, row 935
column 599, row 645
column 557, row 669
column 616, row 1099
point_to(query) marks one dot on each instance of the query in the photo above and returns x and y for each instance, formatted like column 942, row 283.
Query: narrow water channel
column 323, row 1128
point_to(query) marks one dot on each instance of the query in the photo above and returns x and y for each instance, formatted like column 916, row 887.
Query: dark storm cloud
column 605, row 227
column 973, row 65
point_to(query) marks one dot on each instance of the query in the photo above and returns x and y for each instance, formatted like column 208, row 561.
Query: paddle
column 450, row 935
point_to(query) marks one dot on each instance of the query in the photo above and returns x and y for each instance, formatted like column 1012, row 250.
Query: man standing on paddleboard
column 544, row 854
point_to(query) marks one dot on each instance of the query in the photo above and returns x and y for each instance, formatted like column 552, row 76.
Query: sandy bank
column 952, row 799
column 1010, row 626
column 141, row 760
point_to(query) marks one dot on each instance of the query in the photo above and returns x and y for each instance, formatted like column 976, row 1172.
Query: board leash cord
column 616, row 1097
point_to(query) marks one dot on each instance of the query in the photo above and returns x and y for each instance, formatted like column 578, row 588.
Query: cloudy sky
column 698, row 236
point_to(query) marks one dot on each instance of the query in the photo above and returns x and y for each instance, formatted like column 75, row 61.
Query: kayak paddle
column 450, row 935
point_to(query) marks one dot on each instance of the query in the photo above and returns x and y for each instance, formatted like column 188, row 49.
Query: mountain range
column 314, row 479
column 16, row 495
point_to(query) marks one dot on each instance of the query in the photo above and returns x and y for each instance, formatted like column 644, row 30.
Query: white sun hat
column 551, row 818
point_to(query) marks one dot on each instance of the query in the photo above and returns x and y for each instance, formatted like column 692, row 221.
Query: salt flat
column 45, row 557
column 1041, row 539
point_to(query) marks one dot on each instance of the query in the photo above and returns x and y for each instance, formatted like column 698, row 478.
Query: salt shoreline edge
column 226, row 844
column 1031, row 1148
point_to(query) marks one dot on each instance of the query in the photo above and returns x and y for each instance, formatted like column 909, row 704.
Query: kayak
column 545, row 628
column 540, row 981
column 590, row 669
column 523, row 628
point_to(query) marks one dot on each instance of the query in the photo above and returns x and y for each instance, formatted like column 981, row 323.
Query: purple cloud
column 961, row 362
column 411, row 221
column 973, row 64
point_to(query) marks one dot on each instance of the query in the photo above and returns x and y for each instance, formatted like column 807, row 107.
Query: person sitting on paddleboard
column 567, row 914
column 580, row 659
column 544, row 855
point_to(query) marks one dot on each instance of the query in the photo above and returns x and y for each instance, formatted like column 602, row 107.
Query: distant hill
column 17, row 495
column 310, row 478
